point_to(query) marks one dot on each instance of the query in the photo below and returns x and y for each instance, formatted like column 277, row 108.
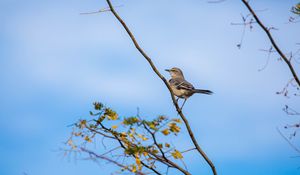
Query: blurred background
column 55, row 63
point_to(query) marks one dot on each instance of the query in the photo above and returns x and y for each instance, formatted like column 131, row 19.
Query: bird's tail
column 203, row 91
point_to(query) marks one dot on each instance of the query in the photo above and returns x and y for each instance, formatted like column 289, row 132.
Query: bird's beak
column 168, row 70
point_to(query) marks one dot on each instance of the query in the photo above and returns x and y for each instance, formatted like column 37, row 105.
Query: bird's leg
column 183, row 104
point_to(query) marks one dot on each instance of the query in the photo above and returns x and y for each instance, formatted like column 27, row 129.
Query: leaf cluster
column 136, row 136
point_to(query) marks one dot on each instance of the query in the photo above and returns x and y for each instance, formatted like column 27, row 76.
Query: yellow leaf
column 177, row 120
column 114, row 127
column 77, row 133
column 176, row 154
column 123, row 134
column 174, row 128
column 142, row 137
column 82, row 124
column 145, row 154
column 167, row 145
column 154, row 151
column 133, row 168
column 131, row 135
column 138, row 161
column 165, row 132
column 70, row 142
column 86, row 138
column 152, row 126
column 111, row 115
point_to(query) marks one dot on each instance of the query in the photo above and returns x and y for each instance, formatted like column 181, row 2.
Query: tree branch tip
column 95, row 12
column 100, row 11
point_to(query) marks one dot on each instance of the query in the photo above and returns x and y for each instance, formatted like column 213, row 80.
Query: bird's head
column 175, row 72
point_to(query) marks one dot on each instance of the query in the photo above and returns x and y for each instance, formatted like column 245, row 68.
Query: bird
column 182, row 88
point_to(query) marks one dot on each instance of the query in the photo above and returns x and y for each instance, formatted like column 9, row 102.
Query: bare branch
column 285, row 91
column 245, row 23
column 286, row 139
column 269, row 51
column 267, row 31
column 167, row 85
column 290, row 111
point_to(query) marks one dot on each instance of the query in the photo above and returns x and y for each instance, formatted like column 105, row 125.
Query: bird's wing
column 181, row 84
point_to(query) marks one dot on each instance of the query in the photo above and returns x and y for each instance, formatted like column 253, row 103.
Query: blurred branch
column 269, row 51
column 274, row 44
column 296, row 9
column 216, row 1
column 290, row 111
column 288, row 141
column 203, row 154
column 287, row 91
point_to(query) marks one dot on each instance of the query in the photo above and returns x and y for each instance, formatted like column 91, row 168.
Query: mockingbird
column 182, row 88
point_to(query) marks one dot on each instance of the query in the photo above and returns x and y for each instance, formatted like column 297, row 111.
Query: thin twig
column 99, row 11
column 216, row 1
column 287, row 140
column 290, row 111
column 268, row 59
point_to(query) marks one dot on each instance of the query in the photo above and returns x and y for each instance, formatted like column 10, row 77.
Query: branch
column 203, row 154
column 289, row 111
column 171, row 164
column 267, row 31
column 123, row 146
column 110, row 160
column 163, row 154
column 287, row 140
column 100, row 133
column 216, row 1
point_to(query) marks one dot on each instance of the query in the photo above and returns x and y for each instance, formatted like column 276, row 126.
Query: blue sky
column 55, row 63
